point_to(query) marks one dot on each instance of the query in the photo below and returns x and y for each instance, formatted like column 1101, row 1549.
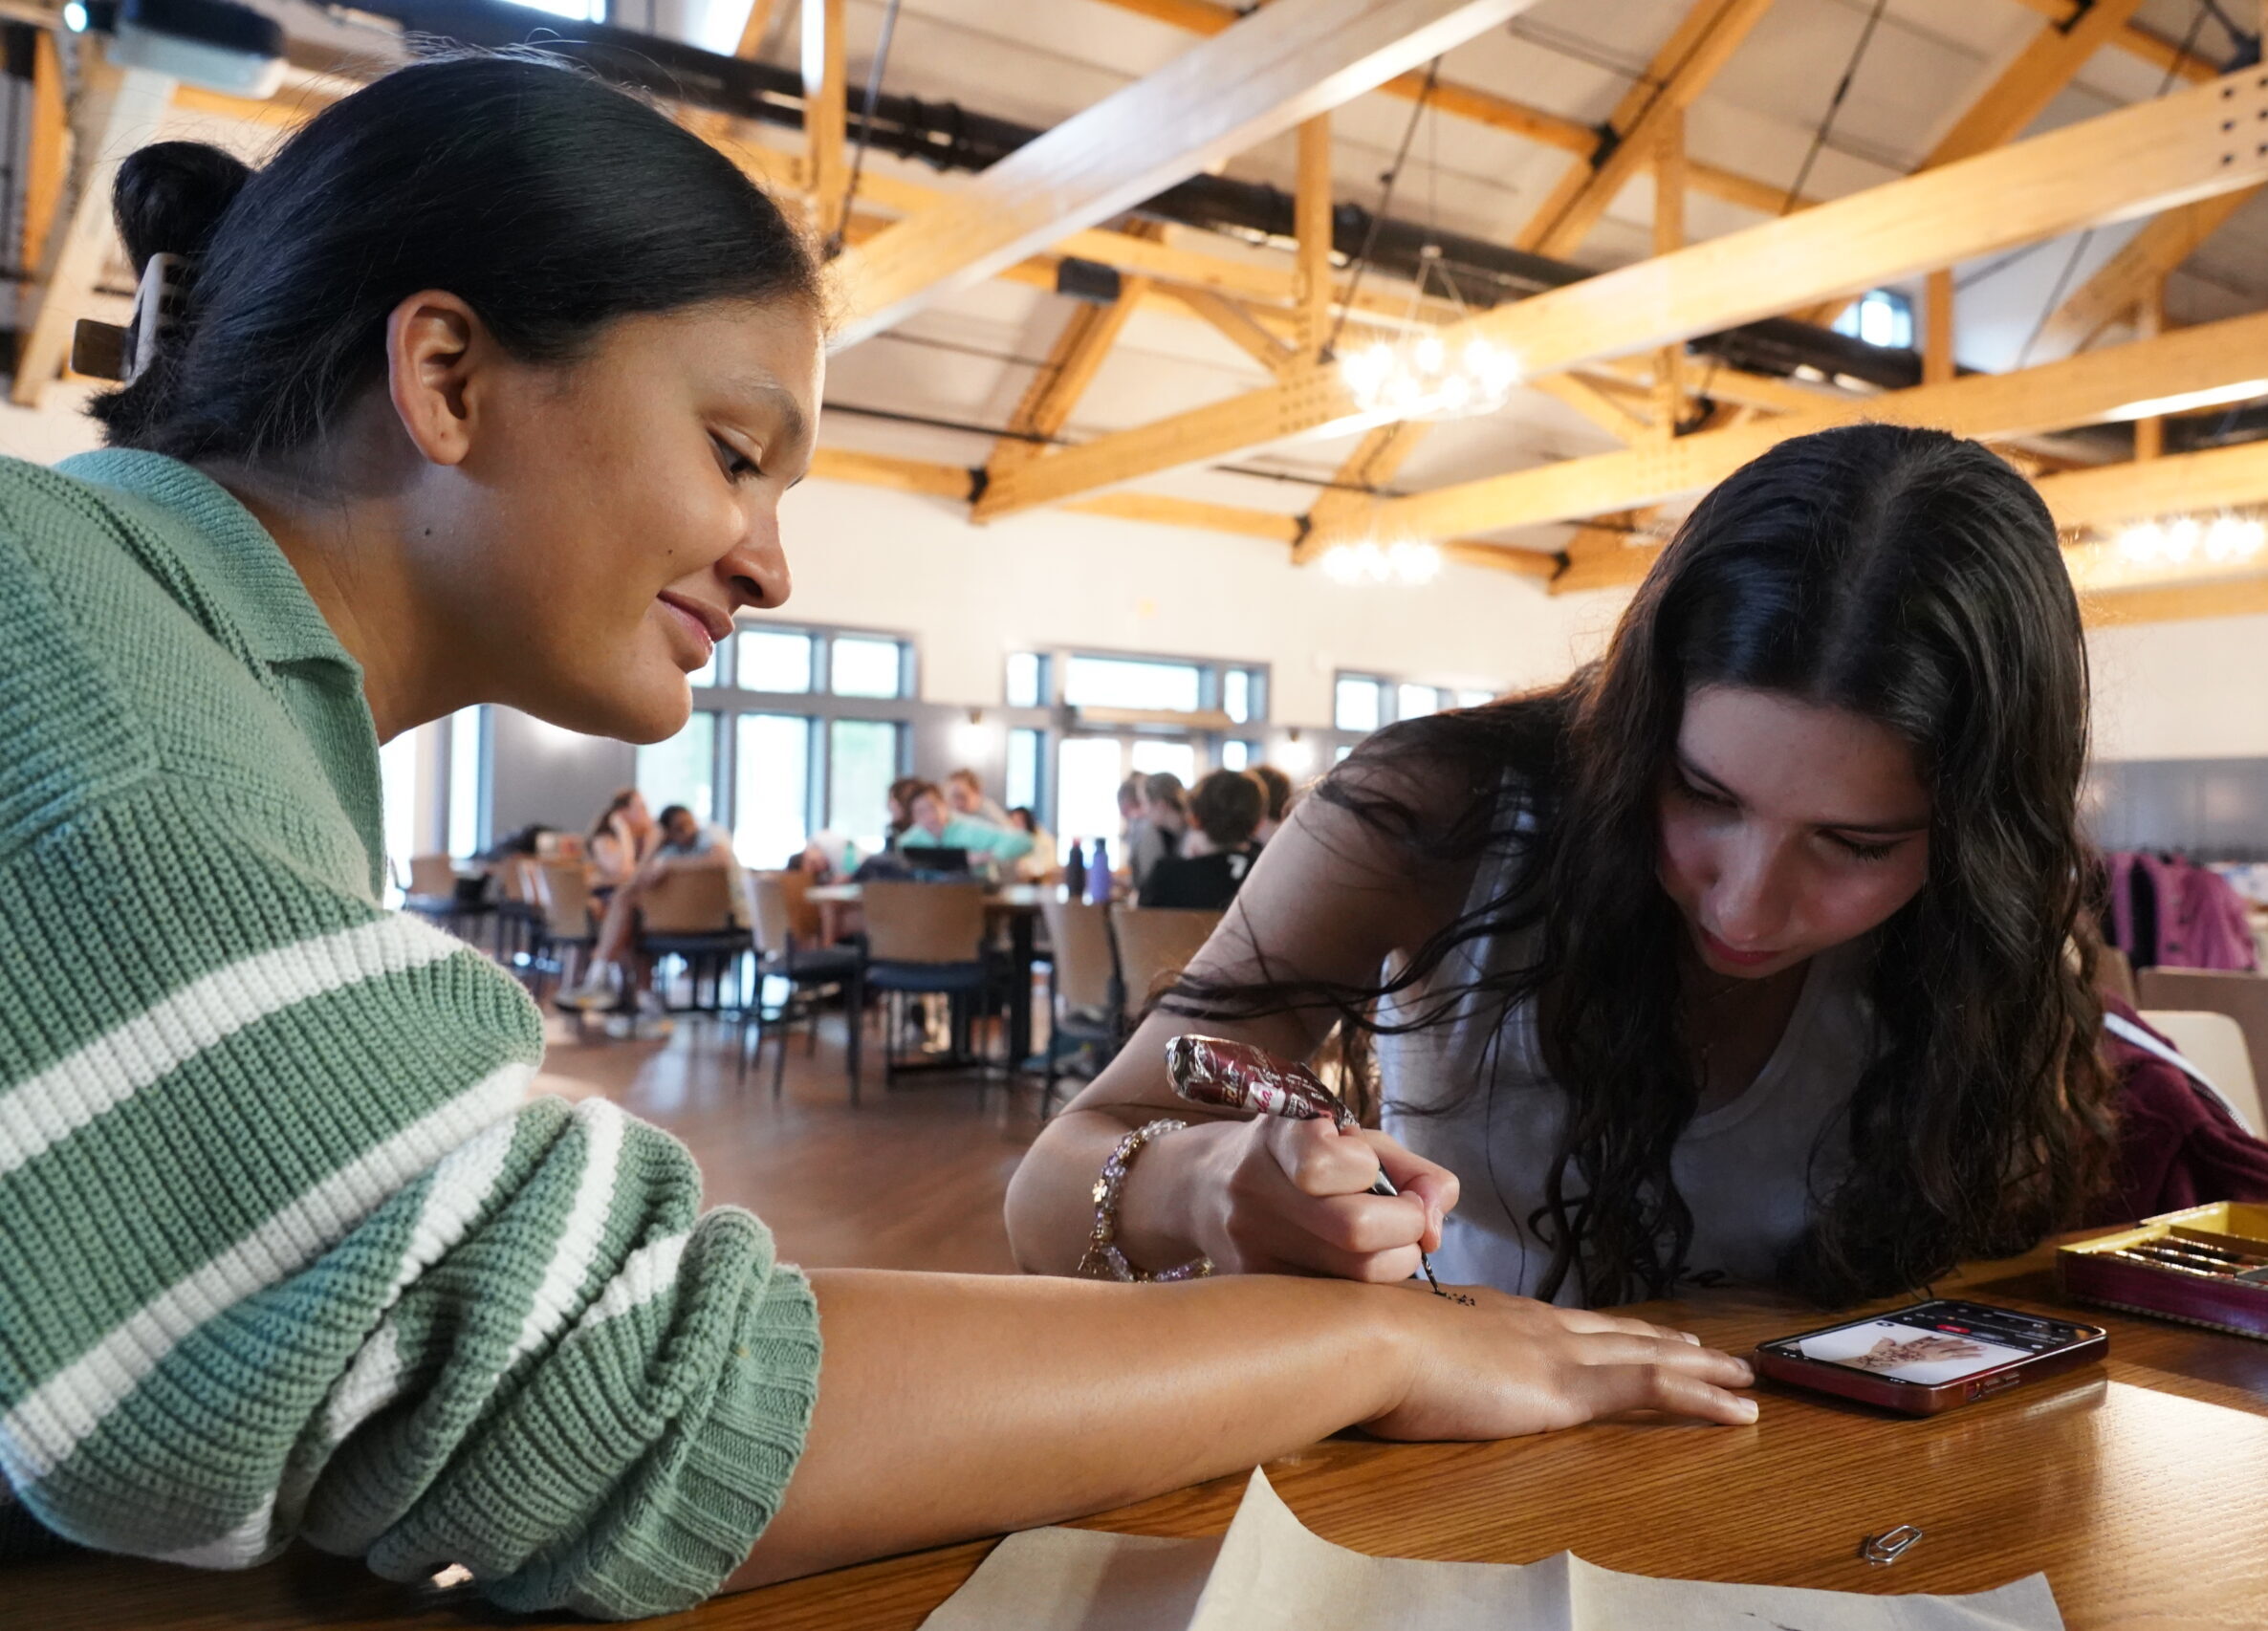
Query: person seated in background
column 827, row 857
column 1278, row 788
column 966, row 792
column 687, row 842
column 1165, row 818
column 935, row 826
column 622, row 837
column 900, row 799
column 1226, row 808
column 1040, row 866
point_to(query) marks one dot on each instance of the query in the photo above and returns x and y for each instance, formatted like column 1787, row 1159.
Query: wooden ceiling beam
column 1285, row 63
column 928, row 478
column 827, row 127
column 1502, row 557
column 2130, row 161
column 2175, row 602
column 2018, row 95
column 2132, row 38
column 2202, row 483
column 2085, row 389
column 117, row 113
column 1628, row 377
column 1377, row 459
column 922, row 476
column 1702, row 44
column 1616, row 418
column 1073, row 361
column 1239, row 326
column 2095, row 499
column 755, row 29
column 46, row 150
column 2021, row 92
column 2110, row 295
column 1191, row 515
column 1485, row 108
column 1312, row 225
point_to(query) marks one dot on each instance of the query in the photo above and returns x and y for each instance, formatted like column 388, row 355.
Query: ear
column 435, row 347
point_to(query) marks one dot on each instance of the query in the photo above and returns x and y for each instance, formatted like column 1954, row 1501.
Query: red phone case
column 1920, row 1399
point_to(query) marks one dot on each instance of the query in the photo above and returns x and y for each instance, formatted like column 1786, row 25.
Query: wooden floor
column 912, row 1179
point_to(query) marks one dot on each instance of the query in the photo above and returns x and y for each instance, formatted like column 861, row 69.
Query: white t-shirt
column 1746, row 1170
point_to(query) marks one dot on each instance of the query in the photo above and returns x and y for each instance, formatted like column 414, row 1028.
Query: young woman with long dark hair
column 485, row 389
column 1755, row 949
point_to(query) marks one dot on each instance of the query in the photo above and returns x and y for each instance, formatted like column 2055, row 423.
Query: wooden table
column 2140, row 1487
column 1018, row 904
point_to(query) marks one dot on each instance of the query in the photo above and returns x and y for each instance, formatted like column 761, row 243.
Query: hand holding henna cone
column 1237, row 1076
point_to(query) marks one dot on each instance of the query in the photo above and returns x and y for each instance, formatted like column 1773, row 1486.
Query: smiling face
column 619, row 510
column 1786, row 829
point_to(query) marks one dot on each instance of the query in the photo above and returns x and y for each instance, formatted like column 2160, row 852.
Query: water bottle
column 1099, row 875
column 1075, row 874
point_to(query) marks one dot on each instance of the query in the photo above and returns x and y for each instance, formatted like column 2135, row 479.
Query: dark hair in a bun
column 170, row 196
column 547, row 201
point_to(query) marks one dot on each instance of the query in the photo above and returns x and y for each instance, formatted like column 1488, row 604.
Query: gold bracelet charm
column 1104, row 1260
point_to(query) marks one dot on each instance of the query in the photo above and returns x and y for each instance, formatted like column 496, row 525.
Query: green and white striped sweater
column 285, row 1249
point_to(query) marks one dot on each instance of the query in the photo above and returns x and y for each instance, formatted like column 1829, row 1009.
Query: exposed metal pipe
column 948, row 137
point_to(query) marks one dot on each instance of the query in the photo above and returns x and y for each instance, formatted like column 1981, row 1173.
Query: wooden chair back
column 563, row 895
column 2242, row 997
column 2115, row 974
column 803, row 912
column 434, row 875
column 924, row 922
column 2214, row 1044
column 515, row 880
column 1155, row 945
column 688, row 899
column 1079, row 937
column 770, row 913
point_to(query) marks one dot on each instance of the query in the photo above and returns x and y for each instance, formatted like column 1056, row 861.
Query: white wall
column 902, row 563
column 2187, row 690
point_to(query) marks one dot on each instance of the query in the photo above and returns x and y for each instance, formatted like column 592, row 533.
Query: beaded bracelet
column 1104, row 1260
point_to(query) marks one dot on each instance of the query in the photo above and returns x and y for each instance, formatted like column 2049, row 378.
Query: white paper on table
column 1269, row 1573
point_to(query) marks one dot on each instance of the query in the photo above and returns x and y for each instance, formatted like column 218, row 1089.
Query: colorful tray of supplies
column 2204, row 1266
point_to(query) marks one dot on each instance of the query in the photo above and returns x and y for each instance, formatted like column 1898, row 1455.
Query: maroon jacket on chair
column 2177, row 1145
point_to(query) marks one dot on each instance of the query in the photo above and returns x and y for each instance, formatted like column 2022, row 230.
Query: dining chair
column 564, row 928
column 2213, row 1045
column 687, row 913
column 1085, row 996
column 2242, row 996
column 927, row 939
column 1155, row 944
column 781, row 954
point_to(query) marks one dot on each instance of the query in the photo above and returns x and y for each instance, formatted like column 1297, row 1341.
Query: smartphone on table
column 1931, row 1356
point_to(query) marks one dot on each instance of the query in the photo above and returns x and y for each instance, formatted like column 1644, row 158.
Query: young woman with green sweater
column 486, row 390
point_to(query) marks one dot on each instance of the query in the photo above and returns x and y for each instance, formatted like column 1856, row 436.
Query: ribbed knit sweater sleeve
column 285, row 1249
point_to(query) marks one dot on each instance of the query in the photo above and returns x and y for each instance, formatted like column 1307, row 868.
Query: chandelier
column 2223, row 542
column 1408, row 563
column 1423, row 375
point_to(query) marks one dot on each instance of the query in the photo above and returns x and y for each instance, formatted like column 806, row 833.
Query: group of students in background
column 1193, row 849
column 1182, row 847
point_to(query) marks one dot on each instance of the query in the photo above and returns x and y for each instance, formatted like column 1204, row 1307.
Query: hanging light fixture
column 1405, row 563
column 1423, row 375
column 2224, row 541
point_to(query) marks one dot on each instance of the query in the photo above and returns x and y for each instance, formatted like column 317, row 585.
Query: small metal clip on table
column 1890, row 1545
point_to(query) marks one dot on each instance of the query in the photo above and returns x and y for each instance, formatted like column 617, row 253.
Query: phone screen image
column 1932, row 1344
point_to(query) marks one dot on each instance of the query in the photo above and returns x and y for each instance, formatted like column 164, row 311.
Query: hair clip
column 106, row 350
